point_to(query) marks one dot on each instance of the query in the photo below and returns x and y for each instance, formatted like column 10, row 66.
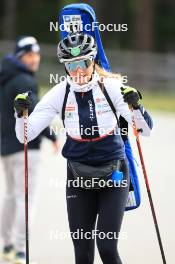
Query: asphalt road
column 50, row 242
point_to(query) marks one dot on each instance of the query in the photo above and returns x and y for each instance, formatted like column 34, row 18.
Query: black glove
column 131, row 96
column 22, row 102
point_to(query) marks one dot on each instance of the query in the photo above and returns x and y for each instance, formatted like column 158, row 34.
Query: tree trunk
column 9, row 19
column 143, row 26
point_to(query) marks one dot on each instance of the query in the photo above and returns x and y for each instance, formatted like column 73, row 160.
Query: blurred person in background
column 17, row 75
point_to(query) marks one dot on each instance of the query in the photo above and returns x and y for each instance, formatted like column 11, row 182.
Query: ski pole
column 136, row 133
column 25, row 115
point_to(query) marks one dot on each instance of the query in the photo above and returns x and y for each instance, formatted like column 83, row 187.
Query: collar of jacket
column 86, row 87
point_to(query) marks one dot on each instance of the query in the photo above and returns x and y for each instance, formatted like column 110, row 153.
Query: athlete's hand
column 131, row 96
column 22, row 102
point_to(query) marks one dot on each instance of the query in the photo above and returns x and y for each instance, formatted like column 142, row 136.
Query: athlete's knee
column 84, row 257
column 84, row 252
column 108, row 252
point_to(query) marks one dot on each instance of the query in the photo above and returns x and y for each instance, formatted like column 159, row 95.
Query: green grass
column 43, row 90
column 159, row 102
column 151, row 101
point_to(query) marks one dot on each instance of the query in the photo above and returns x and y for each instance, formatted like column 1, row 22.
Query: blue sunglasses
column 83, row 64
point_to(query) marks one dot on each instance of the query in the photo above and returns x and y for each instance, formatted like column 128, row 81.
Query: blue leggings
column 83, row 206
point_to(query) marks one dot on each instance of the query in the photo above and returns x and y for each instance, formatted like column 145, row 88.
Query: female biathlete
column 89, row 101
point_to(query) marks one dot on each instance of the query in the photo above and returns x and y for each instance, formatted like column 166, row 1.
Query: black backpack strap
column 121, row 122
column 65, row 101
column 101, row 84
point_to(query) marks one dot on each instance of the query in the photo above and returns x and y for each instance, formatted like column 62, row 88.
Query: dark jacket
column 15, row 78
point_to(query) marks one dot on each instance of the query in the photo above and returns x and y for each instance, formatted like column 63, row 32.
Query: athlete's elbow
column 149, row 128
column 146, row 132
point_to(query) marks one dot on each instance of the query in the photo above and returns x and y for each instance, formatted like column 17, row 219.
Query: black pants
column 83, row 206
